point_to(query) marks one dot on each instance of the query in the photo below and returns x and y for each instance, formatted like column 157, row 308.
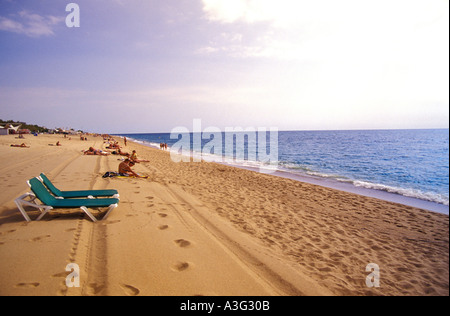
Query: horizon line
column 310, row 130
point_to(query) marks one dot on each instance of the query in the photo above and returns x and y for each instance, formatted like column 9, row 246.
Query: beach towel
column 112, row 174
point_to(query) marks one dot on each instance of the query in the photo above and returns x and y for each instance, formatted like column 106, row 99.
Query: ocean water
column 407, row 163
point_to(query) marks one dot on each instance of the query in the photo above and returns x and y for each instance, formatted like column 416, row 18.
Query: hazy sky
column 149, row 66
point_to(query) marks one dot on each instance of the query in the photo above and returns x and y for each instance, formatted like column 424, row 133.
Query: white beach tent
column 4, row 130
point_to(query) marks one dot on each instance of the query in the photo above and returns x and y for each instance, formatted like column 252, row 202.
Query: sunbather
column 21, row 145
column 135, row 159
column 125, row 169
column 114, row 145
column 120, row 152
column 92, row 151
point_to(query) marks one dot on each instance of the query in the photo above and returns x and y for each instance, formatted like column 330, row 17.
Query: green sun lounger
column 77, row 194
column 49, row 202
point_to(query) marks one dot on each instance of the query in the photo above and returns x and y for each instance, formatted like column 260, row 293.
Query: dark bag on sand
column 111, row 174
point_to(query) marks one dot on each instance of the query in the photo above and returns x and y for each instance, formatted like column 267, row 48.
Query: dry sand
column 207, row 229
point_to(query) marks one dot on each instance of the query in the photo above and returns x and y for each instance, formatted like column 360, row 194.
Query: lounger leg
column 88, row 213
column 22, row 210
column 111, row 207
column 28, row 199
column 46, row 209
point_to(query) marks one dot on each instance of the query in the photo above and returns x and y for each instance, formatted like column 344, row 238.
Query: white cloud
column 250, row 11
column 30, row 24
column 305, row 30
column 282, row 13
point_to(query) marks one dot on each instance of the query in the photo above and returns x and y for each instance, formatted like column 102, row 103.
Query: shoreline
column 338, row 185
column 208, row 229
column 350, row 188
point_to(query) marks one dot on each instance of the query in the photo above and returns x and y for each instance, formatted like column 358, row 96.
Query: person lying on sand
column 120, row 152
column 92, row 151
column 125, row 169
column 135, row 159
column 21, row 145
column 114, row 145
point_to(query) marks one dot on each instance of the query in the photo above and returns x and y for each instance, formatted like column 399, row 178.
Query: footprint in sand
column 130, row 290
column 183, row 243
column 163, row 227
column 28, row 285
column 8, row 232
column 181, row 266
column 162, row 215
column 112, row 222
column 60, row 275
column 40, row 238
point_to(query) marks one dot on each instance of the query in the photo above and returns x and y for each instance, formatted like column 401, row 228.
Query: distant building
column 9, row 129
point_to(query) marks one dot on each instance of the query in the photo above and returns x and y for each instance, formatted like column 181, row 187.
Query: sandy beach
column 207, row 229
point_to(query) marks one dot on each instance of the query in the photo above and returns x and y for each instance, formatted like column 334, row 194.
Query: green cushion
column 76, row 194
column 45, row 197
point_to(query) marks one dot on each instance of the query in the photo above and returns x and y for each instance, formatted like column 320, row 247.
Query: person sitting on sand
column 21, row 145
column 135, row 159
column 125, row 169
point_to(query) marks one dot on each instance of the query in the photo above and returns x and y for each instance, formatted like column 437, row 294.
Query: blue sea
column 405, row 166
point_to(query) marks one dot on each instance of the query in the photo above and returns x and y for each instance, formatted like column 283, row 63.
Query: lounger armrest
column 28, row 194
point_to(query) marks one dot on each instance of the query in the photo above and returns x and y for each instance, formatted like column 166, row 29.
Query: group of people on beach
column 126, row 165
